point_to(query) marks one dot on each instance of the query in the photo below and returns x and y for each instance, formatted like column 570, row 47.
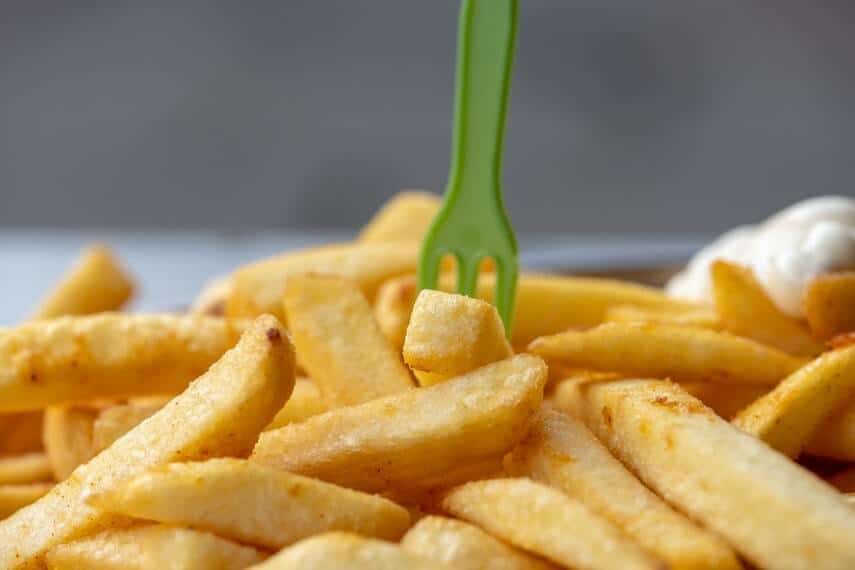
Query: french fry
column 844, row 481
column 29, row 468
column 788, row 417
column 702, row 317
column 68, row 437
column 108, row 355
column 542, row 520
column 745, row 309
column 775, row 513
column 305, row 402
column 465, row 547
column 392, row 308
column 251, row 503
column 16, row 496
column 339, row 343
column 96, row 283
column 829, row 304
column 220, row 414
column 152, row 546
column 667, row 351
column 726, row 400
column 451, row 334
column 842, row 340
column 20, row 432
column 417, row 438
column 335, row 550
column 258, row 288
column 212, row 299
column 561, row 452
column 835, row 437
column 112, row 423
column 406, row 217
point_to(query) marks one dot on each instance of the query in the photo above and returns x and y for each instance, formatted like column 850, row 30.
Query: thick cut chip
column 788, row 417
column 339, row 342
column 726, row 400
column 774, row 512
column 701, row 317
column 830, row 304
column 211, row 300
column 561, row 452
column 258, row 288
column 68, row 437
column 305, row 402
column 667, row 351
column 406, row 217
column 108, row 355
column 220, row 414
column 835, row 437
column 115, row 421
column 251, row 503
column 21, row 432
column 417, row 438
column 452, row 334
column 745, row 309
column 16, row 496
column 338, row 550
column 152, row 547
column 466, row 547
column 28, row 468
column 542, row 520
column 95, row 284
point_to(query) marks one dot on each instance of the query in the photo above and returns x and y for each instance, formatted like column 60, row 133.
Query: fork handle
column 485, row 53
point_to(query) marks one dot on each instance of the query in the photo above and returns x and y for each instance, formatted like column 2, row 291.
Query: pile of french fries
column 315, row 411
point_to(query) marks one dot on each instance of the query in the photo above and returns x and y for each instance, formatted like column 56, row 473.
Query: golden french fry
column 21, row 432
column 96, row 283
column 452, row 334
column 745, row 309
column 774, row 512
column 416, row 438
column 220, row 414
column 701, row 317
column 844, row 481
column 258, row 288
column 107, row 355
column 392, row 308
column 835, row 437
column 112, row 423
column 68, row 437
column 17, row 496
column 305, row 402
column 406, row 217
column 842, row 340
column 829, row 304
column 465, row 547
column 152, row 546
column 667, row 351
column 251, row 503
column 339, row 343
column 28, row 468
column 787, row 417
column 566, row 395
column 726, row 400
column 337, row 550
column 211, row 300
column 542, row 520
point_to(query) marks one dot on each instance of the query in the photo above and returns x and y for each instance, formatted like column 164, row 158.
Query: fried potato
column 251, row 503
column 561, row 452
column 844, row 481
column 746, row 310
column 702, row 317
column 774, row 512
column 21, row 432
column 112, row 423
column 542, row 520
column 451, row 334
column 835, row 437
column 107, row 355
column 68, row 437
column 96, row 283
column 339, row 343
column 336, row 550
column 842, row 340
column 667, row 351
column 305, row 402
column 726, row 400
column 406, row 217
column 787, row 417
column 29, row 468
column 465, row 547
column 417, row 438
column 211, row 300
column 829, row 304
column 152, row 546
column 258, row 288
column 220, row 414
column 16, row 496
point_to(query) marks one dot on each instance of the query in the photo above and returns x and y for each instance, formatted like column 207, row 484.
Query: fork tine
column 467, row 274
column 506, row 291
column 429, row 268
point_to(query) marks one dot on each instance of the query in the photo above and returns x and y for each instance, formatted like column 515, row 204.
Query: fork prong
column 429, row 269
column 467, row 275
column 506, row 291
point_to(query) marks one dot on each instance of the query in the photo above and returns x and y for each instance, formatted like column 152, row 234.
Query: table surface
column 171, row 267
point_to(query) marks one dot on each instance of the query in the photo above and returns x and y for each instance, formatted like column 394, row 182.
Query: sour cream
column 785, row 252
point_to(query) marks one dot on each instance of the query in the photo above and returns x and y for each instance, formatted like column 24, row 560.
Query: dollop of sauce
column 785, row 252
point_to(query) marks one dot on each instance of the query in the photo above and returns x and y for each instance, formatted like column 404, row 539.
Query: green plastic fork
column 472, row 224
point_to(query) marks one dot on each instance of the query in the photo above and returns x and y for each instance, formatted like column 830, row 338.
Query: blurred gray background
column 656, row 117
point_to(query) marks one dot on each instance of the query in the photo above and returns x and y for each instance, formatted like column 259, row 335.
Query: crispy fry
column 68, row 437
column 339, row 343
column 835, row 437
column 251, row 503
column 667, row 351
column 415, row 438
column 830, row 304
column 258, row 288
column 108, row 355
column 220, row 414
column 21, row 432
column 211, row 300
column 842, row 340
column 17, row 496
column 112, row 423
column 29, row 468
column 465, row 547
column 96, row 283
column 305, row 402
column 775, row 513
column 746, row 310
column 406, row 217
column 561, row 452
column 542, row 520
column 701, row 317
column 152, row 546
column 726, row 400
